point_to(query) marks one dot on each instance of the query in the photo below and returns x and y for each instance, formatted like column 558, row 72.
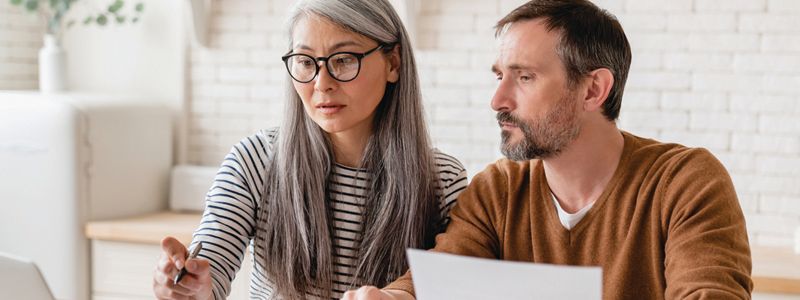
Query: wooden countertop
column 149, row 229
column 775, row 270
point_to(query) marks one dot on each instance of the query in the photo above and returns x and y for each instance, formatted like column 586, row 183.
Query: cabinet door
column 125, row 271
column 775, row 296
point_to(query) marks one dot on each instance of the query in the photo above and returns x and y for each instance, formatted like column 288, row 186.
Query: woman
column 332, row 199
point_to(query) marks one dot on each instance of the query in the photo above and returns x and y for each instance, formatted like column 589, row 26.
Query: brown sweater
column 667, row 226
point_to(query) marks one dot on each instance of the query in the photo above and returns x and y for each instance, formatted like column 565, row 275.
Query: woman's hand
column 196, row 284
column 374, row 293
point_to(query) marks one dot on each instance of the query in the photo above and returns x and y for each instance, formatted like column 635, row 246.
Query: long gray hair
column 401, row 207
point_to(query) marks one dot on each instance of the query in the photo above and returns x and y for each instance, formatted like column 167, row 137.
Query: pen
column 194, row 253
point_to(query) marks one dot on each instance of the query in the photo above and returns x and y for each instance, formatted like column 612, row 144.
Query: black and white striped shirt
column 229, row 222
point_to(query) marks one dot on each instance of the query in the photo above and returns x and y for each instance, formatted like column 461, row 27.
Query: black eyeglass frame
column 358, row 56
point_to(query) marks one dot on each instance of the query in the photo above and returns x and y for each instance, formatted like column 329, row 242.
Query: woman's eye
column 344, row 60
column 306, row 62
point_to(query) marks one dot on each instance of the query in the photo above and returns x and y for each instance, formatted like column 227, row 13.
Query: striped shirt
column 229, row 221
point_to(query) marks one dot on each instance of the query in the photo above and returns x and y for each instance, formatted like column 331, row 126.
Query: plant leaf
column 139, row 7
column 102, row 20
column 88, row 20
column 116, row 6
column 16, row 2
column 60, row 7
column 135, row 20
column 70, row 23
column 120, row 19
column 32, row 5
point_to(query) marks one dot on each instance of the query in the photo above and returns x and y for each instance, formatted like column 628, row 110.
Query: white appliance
column 67, row 159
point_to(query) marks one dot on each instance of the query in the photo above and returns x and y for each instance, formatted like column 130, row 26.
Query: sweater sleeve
column 229, row 218
column 472, row 230
column 707, row 253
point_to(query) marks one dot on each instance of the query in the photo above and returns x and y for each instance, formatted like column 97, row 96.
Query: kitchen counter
column 147, row 229
column 125, row 252
column 775, row 270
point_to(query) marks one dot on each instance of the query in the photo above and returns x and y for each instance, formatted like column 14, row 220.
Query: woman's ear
column 393, row 67
column 599, row 86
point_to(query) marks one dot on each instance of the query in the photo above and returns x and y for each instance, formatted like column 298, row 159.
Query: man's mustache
column 507, row 117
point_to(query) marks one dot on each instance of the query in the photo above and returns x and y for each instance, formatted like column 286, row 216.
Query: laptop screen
column 21, row 279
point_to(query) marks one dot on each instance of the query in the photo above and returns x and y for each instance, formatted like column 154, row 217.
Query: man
column 662, row 220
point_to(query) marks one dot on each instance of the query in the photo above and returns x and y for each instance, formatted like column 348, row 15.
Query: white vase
column 52, row 65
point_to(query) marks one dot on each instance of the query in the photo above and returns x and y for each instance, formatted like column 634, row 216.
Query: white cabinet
column 775, row 296
column 125, row 253
column 124, row 271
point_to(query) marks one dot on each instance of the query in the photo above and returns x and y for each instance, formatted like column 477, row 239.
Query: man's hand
column 374, row 293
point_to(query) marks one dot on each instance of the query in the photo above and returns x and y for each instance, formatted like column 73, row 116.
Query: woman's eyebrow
column 332, row 48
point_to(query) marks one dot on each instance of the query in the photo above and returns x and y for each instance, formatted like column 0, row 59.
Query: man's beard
column 543, row 138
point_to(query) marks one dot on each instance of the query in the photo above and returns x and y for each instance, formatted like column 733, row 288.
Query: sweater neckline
column 544, row 191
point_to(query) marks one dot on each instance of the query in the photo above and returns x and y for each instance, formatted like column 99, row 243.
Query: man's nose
column 503, row 96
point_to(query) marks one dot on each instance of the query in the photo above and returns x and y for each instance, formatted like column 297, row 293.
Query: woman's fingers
column 175, row 250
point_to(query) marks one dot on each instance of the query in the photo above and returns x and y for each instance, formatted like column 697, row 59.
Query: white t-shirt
column 567, row 219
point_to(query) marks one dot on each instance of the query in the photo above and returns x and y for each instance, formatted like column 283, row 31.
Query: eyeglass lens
column 342, row 66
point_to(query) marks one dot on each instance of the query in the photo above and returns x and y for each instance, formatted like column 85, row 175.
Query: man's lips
column 507, row 125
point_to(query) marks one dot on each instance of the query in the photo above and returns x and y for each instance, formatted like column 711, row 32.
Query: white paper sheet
column 439, row 276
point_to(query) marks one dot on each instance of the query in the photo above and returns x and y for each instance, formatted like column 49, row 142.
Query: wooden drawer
column 125, row 253
column 123, row 268
column 124, row 271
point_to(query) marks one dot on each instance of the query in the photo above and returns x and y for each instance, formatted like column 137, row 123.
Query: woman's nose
column 324, row 81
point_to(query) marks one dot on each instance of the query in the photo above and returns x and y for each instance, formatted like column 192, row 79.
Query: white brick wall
column 720, row 74
column 730, row 5
column 20, row 40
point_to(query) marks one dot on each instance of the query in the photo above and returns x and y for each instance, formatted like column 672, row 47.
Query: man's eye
column 525, row 78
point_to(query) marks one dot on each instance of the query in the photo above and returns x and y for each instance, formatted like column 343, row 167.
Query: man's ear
column 599, row 83
column 393, row 67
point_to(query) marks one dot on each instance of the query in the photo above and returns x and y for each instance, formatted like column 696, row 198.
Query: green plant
column 54, row 11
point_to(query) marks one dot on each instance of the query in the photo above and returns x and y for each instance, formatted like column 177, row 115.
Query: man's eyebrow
column 517, row 66
column 513, row 67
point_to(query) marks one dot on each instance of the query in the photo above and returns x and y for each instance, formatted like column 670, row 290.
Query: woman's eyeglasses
column 342, row 66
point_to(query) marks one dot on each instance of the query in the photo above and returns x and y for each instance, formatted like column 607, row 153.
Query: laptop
column 21, row 279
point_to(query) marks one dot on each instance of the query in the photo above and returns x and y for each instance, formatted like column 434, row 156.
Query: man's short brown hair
column 591, row 38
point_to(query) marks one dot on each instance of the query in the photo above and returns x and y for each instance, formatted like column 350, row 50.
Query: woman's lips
column 329, row 109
